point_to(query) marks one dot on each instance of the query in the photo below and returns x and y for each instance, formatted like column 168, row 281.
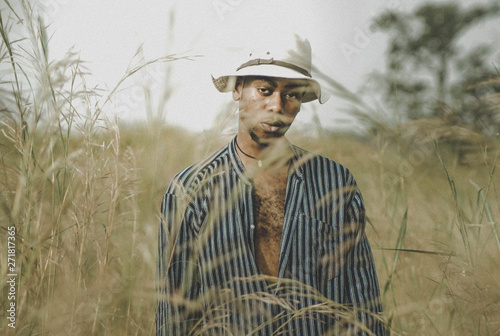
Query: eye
column 264, row 91
column 293, row 96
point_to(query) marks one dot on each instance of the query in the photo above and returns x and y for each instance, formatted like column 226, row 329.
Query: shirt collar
column 296, row 163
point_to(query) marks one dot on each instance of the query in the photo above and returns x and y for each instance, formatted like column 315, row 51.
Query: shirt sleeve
column 177, row 287
column 362, row 283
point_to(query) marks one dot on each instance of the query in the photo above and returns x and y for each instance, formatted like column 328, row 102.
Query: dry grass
column 83, row 194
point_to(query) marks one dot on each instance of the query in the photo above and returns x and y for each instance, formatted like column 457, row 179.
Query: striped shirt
column 208, row 279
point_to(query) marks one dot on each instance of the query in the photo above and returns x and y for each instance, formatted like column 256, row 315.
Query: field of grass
column 83, row 194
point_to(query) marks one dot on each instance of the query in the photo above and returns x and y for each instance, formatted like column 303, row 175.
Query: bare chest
column 269, row 198
column 269, row 210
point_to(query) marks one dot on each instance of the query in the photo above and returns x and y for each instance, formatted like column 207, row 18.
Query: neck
column 270, row 156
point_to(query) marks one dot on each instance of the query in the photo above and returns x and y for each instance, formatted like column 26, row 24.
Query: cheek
column 251, row 103
column 292, row 112
column 251, row 99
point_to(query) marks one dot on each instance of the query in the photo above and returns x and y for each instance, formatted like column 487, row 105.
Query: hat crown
column 294, row 50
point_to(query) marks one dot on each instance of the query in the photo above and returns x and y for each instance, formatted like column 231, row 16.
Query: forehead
column 275, row 81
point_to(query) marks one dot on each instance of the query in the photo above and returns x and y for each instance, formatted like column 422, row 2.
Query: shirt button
column 252, row 227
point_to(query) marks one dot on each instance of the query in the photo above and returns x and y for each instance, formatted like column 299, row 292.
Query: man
column 263, row 237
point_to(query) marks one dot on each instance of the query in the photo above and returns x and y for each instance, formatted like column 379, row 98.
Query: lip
column 272, row 127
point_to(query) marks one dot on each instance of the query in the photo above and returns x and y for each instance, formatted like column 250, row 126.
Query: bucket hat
column 285, row 58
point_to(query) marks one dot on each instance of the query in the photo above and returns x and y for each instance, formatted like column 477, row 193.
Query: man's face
column 268, row 105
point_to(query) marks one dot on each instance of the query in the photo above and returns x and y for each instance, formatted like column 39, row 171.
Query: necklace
column 259, row 162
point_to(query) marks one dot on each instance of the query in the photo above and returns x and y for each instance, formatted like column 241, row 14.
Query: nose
column 276, row 102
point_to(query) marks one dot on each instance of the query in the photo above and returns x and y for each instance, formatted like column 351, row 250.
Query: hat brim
column 226, row 83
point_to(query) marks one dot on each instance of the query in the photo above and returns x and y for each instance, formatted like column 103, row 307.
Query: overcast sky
column 107, row 34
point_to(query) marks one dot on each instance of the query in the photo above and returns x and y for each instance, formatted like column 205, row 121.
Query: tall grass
column 431, row 189
column 74, row 193
column 433, row 225
column 83, row 193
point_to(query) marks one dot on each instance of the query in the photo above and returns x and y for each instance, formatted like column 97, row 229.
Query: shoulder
column 322, row 169
column 190, row 180
column 328, row 182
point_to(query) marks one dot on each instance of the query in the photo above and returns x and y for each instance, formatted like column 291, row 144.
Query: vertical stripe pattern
column 208, row 279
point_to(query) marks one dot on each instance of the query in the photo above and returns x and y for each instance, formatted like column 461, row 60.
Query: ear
column 238, row 88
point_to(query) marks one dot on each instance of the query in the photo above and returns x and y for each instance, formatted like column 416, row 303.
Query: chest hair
column 269, row 198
